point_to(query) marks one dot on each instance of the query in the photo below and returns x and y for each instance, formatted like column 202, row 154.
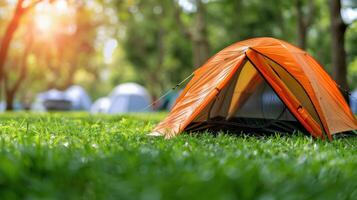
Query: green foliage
column 232, row 21
column 79, row 156
column 228, row 22
column 152, row 48
column 157, row 51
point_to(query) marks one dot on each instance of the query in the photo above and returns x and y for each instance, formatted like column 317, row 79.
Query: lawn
column 79, row 156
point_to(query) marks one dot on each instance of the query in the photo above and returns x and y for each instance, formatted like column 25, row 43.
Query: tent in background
column 78, row 97
column 2, row 106
column 51, row 100
column 260, row 85
column 129, row 97
column 101, row 105
column 353, row 101
column 74, row 98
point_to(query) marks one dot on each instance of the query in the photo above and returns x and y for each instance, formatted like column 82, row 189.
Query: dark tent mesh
column 264, row 104
column 248, row 104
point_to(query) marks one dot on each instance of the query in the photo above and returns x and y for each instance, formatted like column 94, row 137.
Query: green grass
column 78, row 156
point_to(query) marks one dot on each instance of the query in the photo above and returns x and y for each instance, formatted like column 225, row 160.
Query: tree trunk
column 338, row 53
column 304, row 21
column 201, row 47
column 198, row 36
column 156, row 79
column 301, row 25
column 11, row 91
column 10, row 97
column 9, row 33
column 236, row 21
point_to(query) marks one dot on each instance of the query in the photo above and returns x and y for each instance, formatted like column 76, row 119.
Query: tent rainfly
column 260, row 85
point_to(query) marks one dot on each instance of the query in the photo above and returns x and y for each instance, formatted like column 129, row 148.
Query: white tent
column 353, row 102
column 50, row 95
column 78, row 97
column 101, row 105
column 2, row 106
column 129, row 97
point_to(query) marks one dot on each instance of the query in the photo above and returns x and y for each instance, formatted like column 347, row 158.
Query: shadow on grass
column 265, row 135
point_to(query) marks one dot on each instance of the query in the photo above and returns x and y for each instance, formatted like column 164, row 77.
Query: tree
column 19, row 12
column 304, row 20
column 153, row 45
column 52, row 58
column 72, row 51
column 21, row 66
column 145, row 44
column 198, row 35
column 338, row 54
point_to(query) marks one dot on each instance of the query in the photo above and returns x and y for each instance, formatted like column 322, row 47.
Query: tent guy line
column 168, row 92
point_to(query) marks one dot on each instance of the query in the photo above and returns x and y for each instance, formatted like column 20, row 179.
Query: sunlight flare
column 44, row 22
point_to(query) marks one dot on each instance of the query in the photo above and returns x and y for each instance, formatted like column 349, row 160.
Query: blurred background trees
column 99, row 44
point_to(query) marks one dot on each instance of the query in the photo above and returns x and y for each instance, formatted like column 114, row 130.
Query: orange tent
column 261, row 84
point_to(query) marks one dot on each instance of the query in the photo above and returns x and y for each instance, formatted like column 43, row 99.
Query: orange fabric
column 203, row 88
column 208, row 80
column 245, row 85
column 339, row 116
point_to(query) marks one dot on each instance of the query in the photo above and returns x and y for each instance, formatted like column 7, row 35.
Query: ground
column 79, row 156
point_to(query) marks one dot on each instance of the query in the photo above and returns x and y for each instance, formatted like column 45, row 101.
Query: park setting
column 178, row 99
